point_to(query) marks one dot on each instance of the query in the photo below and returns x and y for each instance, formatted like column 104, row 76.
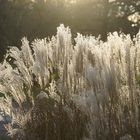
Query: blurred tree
column 39, row 18
column 4, row 9
column 90, row 16
column 124, row 15
column 12, row 15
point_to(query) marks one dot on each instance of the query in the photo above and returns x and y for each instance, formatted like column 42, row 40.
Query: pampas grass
column 55, row 90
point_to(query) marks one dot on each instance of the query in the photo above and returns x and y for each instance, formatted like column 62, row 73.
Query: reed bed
column 86, row 89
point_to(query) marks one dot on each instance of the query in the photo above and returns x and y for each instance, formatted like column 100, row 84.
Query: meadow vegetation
column 86, row 89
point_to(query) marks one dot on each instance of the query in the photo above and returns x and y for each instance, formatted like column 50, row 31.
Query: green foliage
column 4, row 138
column 138, row 79
column 2, row 94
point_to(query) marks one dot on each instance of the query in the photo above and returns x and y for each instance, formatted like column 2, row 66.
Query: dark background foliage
column 39, row 18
